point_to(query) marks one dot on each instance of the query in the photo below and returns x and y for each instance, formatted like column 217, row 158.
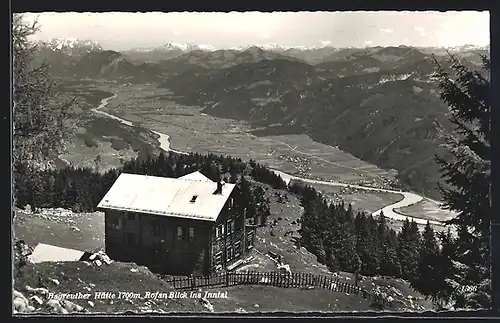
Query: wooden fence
column 277, row 279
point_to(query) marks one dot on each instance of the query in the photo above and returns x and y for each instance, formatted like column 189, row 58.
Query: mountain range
column 380, row 103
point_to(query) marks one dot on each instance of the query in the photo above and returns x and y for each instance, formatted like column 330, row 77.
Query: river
column 408, row 197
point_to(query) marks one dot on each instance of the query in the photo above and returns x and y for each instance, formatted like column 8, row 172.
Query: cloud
column 325, row 42
column 368, row 42
column 176, row 33
column 387, row 30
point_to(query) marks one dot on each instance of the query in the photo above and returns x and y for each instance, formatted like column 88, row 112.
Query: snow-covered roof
column 45, row 252
column 196, row 176
column 173, row 197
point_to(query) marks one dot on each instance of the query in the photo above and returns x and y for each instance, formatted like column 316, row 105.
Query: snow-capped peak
column 187, row 47
column 70, row 43
column 467, row 47
column 277, row 47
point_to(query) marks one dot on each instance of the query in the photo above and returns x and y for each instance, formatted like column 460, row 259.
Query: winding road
column 389, row 210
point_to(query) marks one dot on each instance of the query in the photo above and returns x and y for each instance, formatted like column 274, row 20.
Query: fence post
column 193, row 282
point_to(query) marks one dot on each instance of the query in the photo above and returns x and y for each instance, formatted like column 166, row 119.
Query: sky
column 122, row 30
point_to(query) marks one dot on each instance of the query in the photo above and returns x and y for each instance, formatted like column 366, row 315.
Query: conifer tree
column 408, row 245
column 446, row 282
column 389, row 261
column 427, row 270
column 467, row 174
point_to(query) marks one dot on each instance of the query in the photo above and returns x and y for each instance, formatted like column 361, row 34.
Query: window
column 193, row 199
column 219, row 231
column 130, row 216
column 182, row 234
column 218, row 259
column 237, row 248
column 156, row 228
column 250, row 240
column 229, row 253
column 230, row 226
column 114, row 223
column 191, row 234
column 231, row 202
column 131, row 239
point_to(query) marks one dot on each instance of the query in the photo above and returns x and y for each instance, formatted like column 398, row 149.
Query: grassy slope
column 275, row 299
column 300, row 260
column 74, row 277
column 82, row 231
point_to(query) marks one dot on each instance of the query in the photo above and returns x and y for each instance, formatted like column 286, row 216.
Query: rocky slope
column 165, row 52
column 113, row 65
column 61, row 53
column 222, row 58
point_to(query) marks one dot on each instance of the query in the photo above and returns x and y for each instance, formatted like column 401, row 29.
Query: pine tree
column 446, row 285
column 389, row 260
column 366, row 244
column 373, row 227
column 427, row 269
column 468, row 173
column 340, row 237
column 408, row 245
column 310, row 230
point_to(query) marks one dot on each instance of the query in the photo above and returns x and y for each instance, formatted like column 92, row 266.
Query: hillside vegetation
column 381, row 106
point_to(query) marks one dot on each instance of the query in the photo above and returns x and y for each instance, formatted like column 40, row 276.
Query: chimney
column 219, row 188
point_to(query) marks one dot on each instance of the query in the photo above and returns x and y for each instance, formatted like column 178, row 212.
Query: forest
column 81, row 189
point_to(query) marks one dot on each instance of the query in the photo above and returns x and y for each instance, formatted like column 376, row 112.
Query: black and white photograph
column 250, row 162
